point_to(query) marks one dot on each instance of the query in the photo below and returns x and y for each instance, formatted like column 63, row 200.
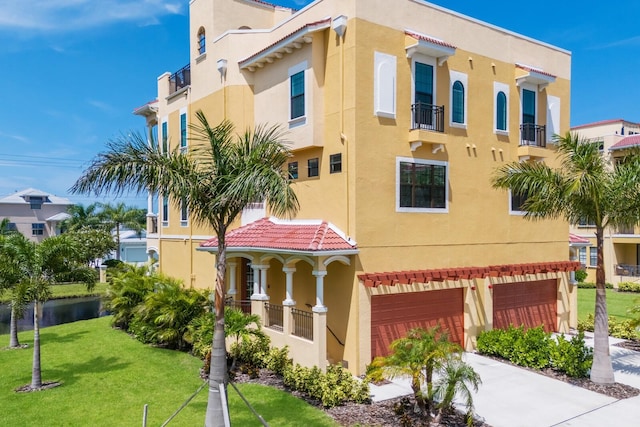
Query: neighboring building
column 35, row 213
column 622, row 244
column 397, row 123
column 133, row 247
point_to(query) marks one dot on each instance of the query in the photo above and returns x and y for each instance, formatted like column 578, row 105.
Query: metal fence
column 273, row 318
column 244, row 305
column 427, row 116
column 533, row 135
column 302, row 324
column 180, row 79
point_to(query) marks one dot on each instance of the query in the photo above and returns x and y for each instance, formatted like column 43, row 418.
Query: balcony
column 427, row 126
column 180, row 79
column 627, row 270
column 533, row 135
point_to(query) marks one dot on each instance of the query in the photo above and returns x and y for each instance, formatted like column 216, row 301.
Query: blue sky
column 72, row 71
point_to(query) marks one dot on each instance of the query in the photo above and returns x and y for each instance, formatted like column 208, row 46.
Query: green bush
column 532, row 348
column 581, row 275
column 571, row 356
column 629, row 287
column 623, row 329
column 277, row 360
column 591, row 285
column 251, row 352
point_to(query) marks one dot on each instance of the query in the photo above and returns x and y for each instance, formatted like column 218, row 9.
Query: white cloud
column 74, row 15
column 629, row 42
column 19, row 138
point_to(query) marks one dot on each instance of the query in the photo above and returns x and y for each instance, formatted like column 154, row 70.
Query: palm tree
column 11, row 246
column 220, row 177
column 241, row 326
column 122, row 216
column 5, row 227
column 455, row 378
column 82, row 217
column 584, row 187
column 55, row 259
column 126, row 291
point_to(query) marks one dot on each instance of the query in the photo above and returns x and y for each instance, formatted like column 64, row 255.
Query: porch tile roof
column 574, row 239
column 271, row 233
column 628, row 142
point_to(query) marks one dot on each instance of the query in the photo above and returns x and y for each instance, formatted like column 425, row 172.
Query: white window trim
column 423, row 162
column 165, row 219
column 185, row 147
column 497, row 88
column 424, row 60
column 463, row 78
column 552, row 101
column 380, row 60
column 302, row 120
column 164, row 120
column 511, row 211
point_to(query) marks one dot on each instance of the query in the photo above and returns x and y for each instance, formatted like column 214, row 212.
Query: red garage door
column 530, row 304
column 393, row 315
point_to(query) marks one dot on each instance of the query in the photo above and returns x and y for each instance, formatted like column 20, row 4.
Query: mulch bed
column 45, row 386
column 629, row 345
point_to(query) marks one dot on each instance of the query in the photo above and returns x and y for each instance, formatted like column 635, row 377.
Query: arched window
column 202, row 48
column 501, row 111
column 457, row 98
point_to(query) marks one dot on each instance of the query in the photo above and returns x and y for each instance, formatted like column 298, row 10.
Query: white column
column 289, row 297
column 319, row 307
column 572, row 274
column 232, row 278
column 263, row 280
column 256, row 280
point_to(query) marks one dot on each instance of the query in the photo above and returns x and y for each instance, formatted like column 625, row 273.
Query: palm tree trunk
column 36, row 373
column 601, row 369
column 217, row 412
column 13, row 329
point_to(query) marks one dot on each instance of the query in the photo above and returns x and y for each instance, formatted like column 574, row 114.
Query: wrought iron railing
column 533, row 135
column 180, row 79
column 302, row 324
column 427, row 116
column 273, row 318
column 628, row 270
column 243, row 305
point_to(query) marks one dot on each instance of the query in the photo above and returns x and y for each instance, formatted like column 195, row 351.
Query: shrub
column 251, row 352
column 623, row 329
column 580, row 275
column 571, row 356
column 532, row 348
column 629, row 287
column 591, row 285
column 277, row 360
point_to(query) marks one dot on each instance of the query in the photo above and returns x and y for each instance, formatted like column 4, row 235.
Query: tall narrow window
column 297, row 95
column 293, row 170
column 335, row 163
column 501, row 111
column 582, row 256
column 423, row 83
column 528, row 107
column 313, row 167
column 184, row 213
column 457, row 102
column 165, row 211
column 593, row 256
column 202, row 48
column 165, row 137
column 183, row 131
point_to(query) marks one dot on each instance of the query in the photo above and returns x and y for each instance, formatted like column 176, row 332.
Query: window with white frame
column 335, row 163
column 516, row 203
column 593, row 256
column 582, row 255
column 501, row 107
column 293, row 170
column 183, row 129
column 384, row 90
column 184, row 213
column 297, row 91
column 165, row 211
column 37, row 229
column 421, row 185
column 165, row 136
column 202, row 46
column 458, row 99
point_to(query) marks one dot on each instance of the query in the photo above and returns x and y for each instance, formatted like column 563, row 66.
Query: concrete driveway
column 514, row 397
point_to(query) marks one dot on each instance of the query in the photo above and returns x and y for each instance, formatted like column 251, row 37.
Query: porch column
column 289, row 296
column 319, row 307
column 232, row 278
column 320, row 338
column 573, row 292
column 263, row 281
column 256, row 280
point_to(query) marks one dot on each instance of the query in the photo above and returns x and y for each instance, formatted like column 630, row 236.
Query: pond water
column 55, row 312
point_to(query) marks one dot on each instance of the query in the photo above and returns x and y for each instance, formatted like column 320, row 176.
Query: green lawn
column 107, row 378
column 617, row 303
column 70, row 290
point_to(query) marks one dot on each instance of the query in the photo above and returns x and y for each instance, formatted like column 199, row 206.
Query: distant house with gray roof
column 34, row 213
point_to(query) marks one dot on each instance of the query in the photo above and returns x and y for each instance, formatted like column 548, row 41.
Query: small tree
column 116, row 217
column 456, row 376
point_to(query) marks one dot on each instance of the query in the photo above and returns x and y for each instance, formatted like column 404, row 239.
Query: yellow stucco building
column 397, row 118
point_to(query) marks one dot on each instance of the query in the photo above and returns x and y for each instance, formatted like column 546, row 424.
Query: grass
column 70, row 290
column 107, row 378
column 617, row 303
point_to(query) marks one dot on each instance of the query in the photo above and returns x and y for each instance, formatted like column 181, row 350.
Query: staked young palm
column 220, row 175
column 584, row 187
column 456, row 378
column 11, row 245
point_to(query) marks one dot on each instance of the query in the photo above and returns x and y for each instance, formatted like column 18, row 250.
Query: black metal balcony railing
column 427, row 116
column 533, row 135
column 273, row 318
column 628, row 270
column 243, row 305
column 302, row 324
column 180, row 79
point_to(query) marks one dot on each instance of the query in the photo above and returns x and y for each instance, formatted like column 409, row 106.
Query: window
column 165, row 211
column 593, row 256
column 423, row 77
column 584, row 222
column 528, row 115
column 312, row 165
column 297, row 95
column 457, row 102
column 37, row 229
column 184, row 213
column 165, row 137
column 293, row 170
column 501, row 111
column 35, row 202
column 202, row 48
column 183, row 131
column 582, row 256
column 517, row 201
column 422, row 185
column 335, row 163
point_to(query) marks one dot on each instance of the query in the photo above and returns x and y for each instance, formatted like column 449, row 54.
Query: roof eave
column 282, row 251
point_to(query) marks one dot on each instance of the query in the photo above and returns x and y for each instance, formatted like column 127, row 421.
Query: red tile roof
column 440, row 275
column 628, row 142
column 270, row 233
column 534, row 70
column 575, row 239
column 599, row 123
column 428, row 39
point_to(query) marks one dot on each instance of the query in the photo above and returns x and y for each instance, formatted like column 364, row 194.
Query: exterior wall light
column 222, row 67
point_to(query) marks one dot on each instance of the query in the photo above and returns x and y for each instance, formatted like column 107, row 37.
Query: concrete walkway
column 514, row 397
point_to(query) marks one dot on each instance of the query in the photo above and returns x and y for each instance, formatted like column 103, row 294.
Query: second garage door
column 529, row 303
column 393, row 315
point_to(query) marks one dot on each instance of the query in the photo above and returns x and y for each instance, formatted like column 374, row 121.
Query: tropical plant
column 456, row 376
column 418, row 355
column 81, row 217
column 584, row 187
column 216, row 179
column 6, row 227
column 119, row 216
column 11, row 245
column 126, row 291
column 93, row 243
column 241, row 326
column 55, row 259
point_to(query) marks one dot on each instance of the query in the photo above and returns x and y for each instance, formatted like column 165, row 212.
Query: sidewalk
column 514, row 397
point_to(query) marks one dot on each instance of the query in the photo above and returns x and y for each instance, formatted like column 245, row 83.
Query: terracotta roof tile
column 628, row 142
column 429, row 39
column 534, row 70
column 269, row 233
column 575, row 239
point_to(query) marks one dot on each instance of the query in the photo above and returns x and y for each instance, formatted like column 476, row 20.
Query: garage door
column 530, row 304
column 393, row 315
